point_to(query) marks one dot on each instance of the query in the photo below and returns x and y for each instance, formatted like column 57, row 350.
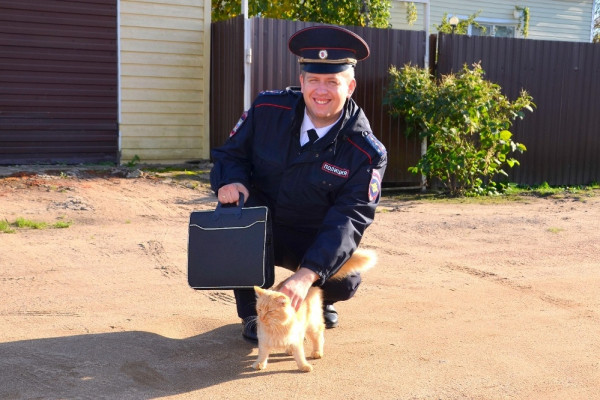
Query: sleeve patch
column 376, row 144
column 239, row 124
column 374, row 185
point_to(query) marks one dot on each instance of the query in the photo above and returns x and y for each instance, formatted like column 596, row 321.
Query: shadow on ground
column 122, row 365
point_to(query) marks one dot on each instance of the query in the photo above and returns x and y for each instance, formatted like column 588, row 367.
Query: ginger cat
column 279, row 326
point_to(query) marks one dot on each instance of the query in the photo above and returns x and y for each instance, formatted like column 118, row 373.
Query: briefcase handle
column 229, row 210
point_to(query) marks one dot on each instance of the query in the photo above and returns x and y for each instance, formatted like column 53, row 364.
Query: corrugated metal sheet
column 58, row 81
column 227, row 78
column 562, row 135
column 274, row 67
column 389, row 47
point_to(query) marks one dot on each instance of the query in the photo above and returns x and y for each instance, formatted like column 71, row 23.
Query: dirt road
column 470, row 300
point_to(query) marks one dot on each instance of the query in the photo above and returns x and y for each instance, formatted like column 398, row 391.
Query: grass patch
column 181, row 172
column 578, row 192
column 5, row 227
column 512, row 192
column 22, row 223
column 62, row 224
column 191, row 177
column 25, row 223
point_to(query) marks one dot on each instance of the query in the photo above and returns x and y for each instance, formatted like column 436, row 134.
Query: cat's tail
column 362, row 260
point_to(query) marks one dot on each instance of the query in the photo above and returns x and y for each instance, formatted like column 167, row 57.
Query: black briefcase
column 230, row 248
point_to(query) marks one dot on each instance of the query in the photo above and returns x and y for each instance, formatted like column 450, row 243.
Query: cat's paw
column 316, row 354
column 258, row 366
column 306, row 368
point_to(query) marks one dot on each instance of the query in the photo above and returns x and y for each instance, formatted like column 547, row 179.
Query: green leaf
column 505, row 135
column 512, row 162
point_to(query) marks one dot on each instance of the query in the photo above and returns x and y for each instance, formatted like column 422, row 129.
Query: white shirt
column 308, row 124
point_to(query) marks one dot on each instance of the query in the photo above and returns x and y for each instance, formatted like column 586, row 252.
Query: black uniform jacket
column 329, row 190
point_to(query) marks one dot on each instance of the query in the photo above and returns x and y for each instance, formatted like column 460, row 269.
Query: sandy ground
column 470, row 300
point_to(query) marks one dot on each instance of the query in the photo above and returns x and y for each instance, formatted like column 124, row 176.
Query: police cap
column 327, row 49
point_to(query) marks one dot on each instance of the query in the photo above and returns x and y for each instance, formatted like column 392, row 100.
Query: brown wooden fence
column 275, row 67
column 562, row 135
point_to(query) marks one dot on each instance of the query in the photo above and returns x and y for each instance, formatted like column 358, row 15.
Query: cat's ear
column 258, row 290
column 283, row 300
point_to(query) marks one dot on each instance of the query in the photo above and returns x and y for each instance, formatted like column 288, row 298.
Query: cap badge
column 323, row 54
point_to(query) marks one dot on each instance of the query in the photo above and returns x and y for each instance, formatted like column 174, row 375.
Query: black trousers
column 289, row 247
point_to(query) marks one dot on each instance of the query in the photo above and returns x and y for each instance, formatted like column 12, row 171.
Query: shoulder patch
column 239, row 124
column 271, row 92
column 374, row 186
column 376, row 144
column 276, row 98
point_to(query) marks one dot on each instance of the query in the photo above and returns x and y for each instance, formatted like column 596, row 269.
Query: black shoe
column 330, row 316
column 249, row 329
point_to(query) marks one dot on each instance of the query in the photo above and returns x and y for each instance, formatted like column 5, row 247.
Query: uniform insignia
column 374, row 185
column 271, row 92
column 239, row 124
column 337, row 171
column 376, row 144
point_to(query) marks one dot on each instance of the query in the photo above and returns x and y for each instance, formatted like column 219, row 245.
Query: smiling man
column 325, row 95
column 311, row 157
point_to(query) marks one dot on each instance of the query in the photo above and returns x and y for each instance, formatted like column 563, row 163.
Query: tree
column 375, row 13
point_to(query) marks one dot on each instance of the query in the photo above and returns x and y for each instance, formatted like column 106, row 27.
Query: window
column 491, row 29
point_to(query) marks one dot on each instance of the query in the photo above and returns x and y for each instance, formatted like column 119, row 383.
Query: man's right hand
column 296, row 286
column 230, row 193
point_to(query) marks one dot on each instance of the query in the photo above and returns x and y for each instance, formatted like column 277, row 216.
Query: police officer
column 309, row 156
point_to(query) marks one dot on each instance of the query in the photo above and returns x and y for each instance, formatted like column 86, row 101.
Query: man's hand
column 296, row 286
column 230, row 193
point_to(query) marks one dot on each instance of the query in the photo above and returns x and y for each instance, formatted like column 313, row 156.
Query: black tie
column 312, row 137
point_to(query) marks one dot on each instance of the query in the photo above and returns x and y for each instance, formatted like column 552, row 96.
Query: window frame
column 494, row 22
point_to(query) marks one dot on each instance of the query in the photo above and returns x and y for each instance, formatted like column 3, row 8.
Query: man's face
column 325, row 95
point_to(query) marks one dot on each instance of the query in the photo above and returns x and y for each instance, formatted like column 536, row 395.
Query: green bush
column 465, row 120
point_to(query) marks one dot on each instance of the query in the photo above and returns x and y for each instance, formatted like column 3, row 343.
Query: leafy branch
column 523, row 20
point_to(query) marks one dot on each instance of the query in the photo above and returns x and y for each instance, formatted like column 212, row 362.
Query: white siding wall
column 561, row 20
column 165, row 72
column 568, row 20
column 398, row 16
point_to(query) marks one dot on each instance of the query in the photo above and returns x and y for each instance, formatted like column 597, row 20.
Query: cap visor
column 322, row 68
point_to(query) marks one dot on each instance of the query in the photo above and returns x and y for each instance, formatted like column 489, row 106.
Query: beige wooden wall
column 164, row 80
